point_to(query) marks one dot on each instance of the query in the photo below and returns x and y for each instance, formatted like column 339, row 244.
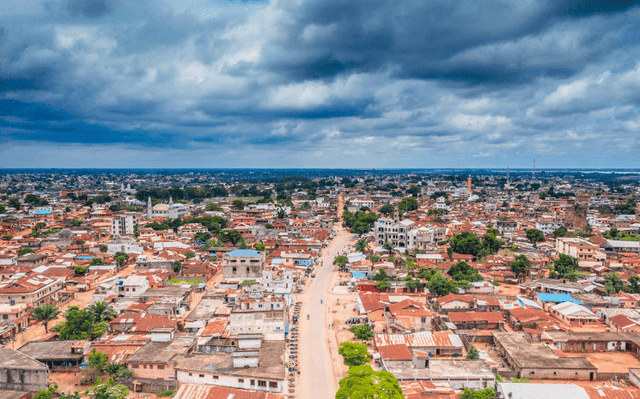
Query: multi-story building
column 243, row 264
column 32, row 289
column 548, row 226
column 123, row 223
column 576, row 247
column 265, row 315
column 169, row 210
column 396, row 233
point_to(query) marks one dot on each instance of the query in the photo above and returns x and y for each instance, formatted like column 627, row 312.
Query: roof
column 545, row 297
column 13, row 359
column 547, row 391
column 455, row 297
column 143, row 322
column 244, row 253
column 418, row 340
column 190, row 391
column 573, row 310
column 51, row 350
column 160, row 352
column 395, row 352
column 461, row 317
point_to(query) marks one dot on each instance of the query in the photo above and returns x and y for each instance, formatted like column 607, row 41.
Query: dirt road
column 317, row 375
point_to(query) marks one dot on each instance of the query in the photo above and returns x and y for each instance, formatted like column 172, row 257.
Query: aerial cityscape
column 297, row 199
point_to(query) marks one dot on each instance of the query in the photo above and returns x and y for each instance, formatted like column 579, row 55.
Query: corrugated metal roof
column 418, row 340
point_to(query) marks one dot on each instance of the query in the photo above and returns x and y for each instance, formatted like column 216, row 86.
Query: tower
column 533, row 171
column 396, row 214
column 149, row 209
column 469, row 184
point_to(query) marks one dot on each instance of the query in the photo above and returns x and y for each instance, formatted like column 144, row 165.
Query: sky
column 319, row 84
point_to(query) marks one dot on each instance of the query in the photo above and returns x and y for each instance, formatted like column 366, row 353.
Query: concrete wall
column 558, row 374
column 24, row 380
column 205, row 378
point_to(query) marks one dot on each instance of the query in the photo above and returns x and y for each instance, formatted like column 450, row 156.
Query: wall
column 202, row 378
column 24, row 380
column 151, row 371
column 558, row 374
column 150, row 385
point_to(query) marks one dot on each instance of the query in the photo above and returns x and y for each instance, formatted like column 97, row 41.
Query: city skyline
column 284, row 84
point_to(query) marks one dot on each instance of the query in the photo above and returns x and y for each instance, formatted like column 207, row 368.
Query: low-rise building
column 21, row 372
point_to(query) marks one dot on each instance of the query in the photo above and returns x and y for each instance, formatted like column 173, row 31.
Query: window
column 201, row 375
column 252, row 382
column 190, row 375
column 151, row 366
column 160, row 367
column 423, row 319
column 145, row 366
column 273, row 384
column 215, row 377
column 247, row 270
column 240, row 380
column 135, row 366
column 234, row 270
column 262, row 383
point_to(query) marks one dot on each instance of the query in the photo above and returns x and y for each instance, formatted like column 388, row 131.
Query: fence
column 149, row 385
column 612, row 376
column 507, row 373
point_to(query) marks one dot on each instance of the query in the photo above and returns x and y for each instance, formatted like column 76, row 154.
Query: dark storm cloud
column 319, row 83
column 90, row 8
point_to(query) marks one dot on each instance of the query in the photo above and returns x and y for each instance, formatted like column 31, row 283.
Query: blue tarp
column 286, row 329
column 84, row 257
column 359, row 275
column 556, row 298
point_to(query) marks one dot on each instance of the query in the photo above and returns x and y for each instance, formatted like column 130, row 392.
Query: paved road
column 317, row 379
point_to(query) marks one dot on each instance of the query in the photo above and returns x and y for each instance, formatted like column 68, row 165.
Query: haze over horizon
column 330, row 84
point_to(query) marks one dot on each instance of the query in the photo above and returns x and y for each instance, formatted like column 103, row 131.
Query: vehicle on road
column 321, row 301
column 307, row 317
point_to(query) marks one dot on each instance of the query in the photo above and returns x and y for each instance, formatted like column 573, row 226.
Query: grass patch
column 190, row 281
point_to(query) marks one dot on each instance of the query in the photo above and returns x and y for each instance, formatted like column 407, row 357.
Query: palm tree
column 102, row 311
column 45, row 314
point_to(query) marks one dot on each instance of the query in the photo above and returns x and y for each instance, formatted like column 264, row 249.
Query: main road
column 317, row 376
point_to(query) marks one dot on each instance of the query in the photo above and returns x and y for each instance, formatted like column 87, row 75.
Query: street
column 317, row 375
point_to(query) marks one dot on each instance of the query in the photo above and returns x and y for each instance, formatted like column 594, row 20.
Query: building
column 474, row 374
column 573, row 314
column 243, row 264
column 123, row 223
column 196, row 391
column 539, row 361
column 396, row 233
column 32, row 289
column 256, row 369
column 548, row 226
column 170, row 210
column 21, row 372
column 265, row 315
column 57, row 354
column 576, row 247
column 155, row 359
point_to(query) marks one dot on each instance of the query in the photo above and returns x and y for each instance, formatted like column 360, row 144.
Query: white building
column 123, row 224
column 169, row 210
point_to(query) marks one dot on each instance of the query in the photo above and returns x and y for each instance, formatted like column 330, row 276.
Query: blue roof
column 84, row 257
column 43, row 212
column 557, row 298
column 359, row 275
column 245, row 253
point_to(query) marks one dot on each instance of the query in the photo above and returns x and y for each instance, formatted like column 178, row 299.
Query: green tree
column 96, row 262
column 3, row 208
column 491, row 243
column 238, row 203
column 14, row 203
column 363, row 382
column 247, row 283
column 80, row 270
column 439, row 285
column 103, row 311
column 31, row 199
column 97, row 360
column 520, row 265
column 117, row 370
column 361, row 245
column 24, row 251
column 7, row 237
column 387, row 209
column 462, row 271
column 612, row 283
column 633, row 287
column 136, row 231
column 103, row 248
column 389, row 247
column 487, row 393
column 354, row 354
column 560, row 232
column 76, row 223
column 535, row 236
column 243, row 243
column 109, row 390
column 374, row 258
column 213, row 207
column 465, row 243
column 176, row 266
column 383, row 285
column 413, row 284
column 473, row 353
column 50, row 393
column 565, row 266
column 202, row 236
column 341, row 261
column 79, row 325
column 363, row 332
column 407, row 204
column 259, row 247
column 189, row 254
column 231, row 235
column 45, row 313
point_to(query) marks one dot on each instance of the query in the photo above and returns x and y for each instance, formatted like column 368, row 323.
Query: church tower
column 149, row 209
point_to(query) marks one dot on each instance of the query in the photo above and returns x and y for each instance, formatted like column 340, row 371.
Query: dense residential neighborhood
column 312, row 285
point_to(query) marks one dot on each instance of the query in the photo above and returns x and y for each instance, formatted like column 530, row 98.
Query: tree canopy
column 45, row 313
column 364, row 382
column 535, row 236
column 462, row 271
column 80, row 324
column 566, row 266
column 466, row 243
column 354, row 354
column 359, row 222
column 520, row 265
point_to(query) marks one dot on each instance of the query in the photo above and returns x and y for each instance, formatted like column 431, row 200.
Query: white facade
column 123, row 224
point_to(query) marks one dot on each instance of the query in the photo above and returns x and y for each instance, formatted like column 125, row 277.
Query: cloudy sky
column 319, row 83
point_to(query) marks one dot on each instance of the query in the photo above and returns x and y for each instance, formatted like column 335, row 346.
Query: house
column 57, row 354
column 455, row 301
column 33, row 289
column 576, row 247
column 140, row 323
column 573, row 314
column 540, row 362
column 476, row 320
column 474, row 374
column 32, row 260
column 596, row 341
column 259, row 369
column 133, row 287
column 154, row 360
column 263, row 315
column 624, row 324
column 21, row 372
column 243, row 264
column 196, row 391
column 408, row 316
column 441, row 343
